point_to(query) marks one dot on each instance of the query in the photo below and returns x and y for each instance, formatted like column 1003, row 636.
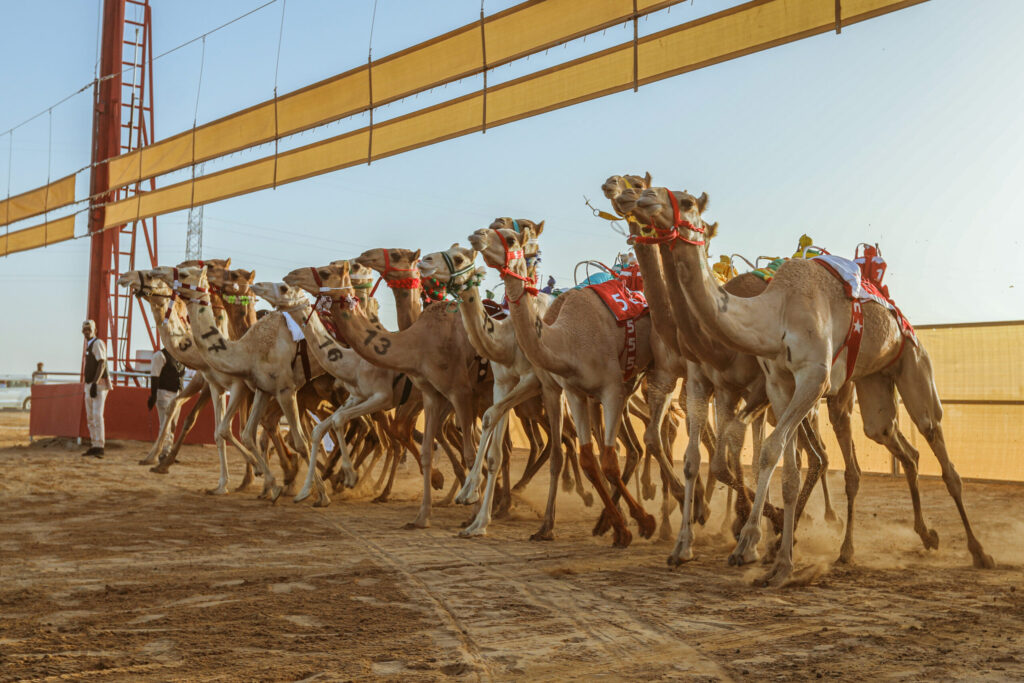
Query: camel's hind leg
column 552, row 397
column 916, row 384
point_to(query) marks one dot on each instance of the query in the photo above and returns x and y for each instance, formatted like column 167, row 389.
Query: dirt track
column 110, row 572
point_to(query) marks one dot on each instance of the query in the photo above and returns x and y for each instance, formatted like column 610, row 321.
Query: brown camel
column 794, row 328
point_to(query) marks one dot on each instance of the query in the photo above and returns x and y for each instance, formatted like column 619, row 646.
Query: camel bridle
column 510, row 256
column 668, row 236
column 412, row 281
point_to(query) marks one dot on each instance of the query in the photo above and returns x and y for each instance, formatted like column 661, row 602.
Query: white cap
column 91, row 324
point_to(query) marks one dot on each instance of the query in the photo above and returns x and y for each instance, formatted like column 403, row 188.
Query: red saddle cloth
column 625, row 304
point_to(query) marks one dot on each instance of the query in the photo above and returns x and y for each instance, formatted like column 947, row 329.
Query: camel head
column 362, row 276
column 655, row 208
column 332, row 281
column 489, row 244
column 624, row 190
column 189, row 282
column 143, row 283
column 451, row 269
column 394, row 265
column 211, row 262
column 237, row 281
column 528, row 231
column 280, row 295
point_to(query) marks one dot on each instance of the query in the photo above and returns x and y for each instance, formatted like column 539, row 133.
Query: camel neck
column 396, row 351
column 532, row 335
column 240, row 318
column 175, row 333
column 325, row 349
column 736, row 321
column 408, row 306
column 213, row 345
column 493, row 339
column 659, row 301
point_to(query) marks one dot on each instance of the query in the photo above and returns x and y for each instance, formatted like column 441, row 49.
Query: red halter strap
column 411, row 282
column 663, row 236
column 505, row 270
column 178, row 284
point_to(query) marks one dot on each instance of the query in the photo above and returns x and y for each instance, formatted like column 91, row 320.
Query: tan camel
column 267, row 357
column 515, row 378
column 435, row 353
column 712, row 370
column 176, row 335
column 583, row 349
column 794, row 327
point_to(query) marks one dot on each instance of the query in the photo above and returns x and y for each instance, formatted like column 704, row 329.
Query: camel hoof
column 830, row 517
column 303, row 495
column 680, row 558
column 741, row 556
column 159, row 469
column 603, row 525
column 503, row 512
column 701, row 513
column 777, row 577
column 543, row 535
column 567, row 484
column 382, row 498
column 467, row 498
column 219, row 491
column 932, row 541
column 665, row 531
column 147, row 461
column 588, row 499
column 647, row 525
column 436, row 480
column 409, row 526
column 984, row 561
column 649, row 491
column 622, row 538
column 322, row 502
column 472, row 530
column 275, row 493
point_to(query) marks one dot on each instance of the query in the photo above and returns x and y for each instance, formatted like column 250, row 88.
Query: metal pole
column 106, row 136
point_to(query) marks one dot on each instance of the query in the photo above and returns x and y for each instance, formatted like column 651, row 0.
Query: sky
column 904, row 130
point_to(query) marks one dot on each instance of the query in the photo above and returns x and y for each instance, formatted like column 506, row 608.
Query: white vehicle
column 15, row 392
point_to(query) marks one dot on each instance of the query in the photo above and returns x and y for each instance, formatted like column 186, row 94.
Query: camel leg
column 433, row 411
column 493, row 453
column 698, row 391
column 541, row 431
column 247, row 444
column 218, row 415
column 551, row 395
column 916, row 384
column 171, row 455
column 287, row 399
column 612, row 402
column 194, row 387
column 791, row 403
column 581, row 416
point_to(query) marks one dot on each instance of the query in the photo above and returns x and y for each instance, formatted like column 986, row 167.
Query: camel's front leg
column 698, row 391
column 433, row 411
column 287, row 399
column 249, row 448
column 552, row 397
column 612, row 402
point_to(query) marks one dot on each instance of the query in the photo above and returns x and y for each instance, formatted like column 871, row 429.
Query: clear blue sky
column 905, row 130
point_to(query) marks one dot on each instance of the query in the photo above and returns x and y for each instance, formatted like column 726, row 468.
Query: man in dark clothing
column 97, row 384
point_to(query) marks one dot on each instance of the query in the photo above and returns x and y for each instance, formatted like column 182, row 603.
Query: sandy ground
column 110, row 572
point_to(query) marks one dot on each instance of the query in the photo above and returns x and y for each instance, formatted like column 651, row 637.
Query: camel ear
column 702, row 202
column 416, row 256
column 647, row 178
column 252, row 276
column 711, row 230
column 454, row 246
column 227, row 263
column 538, row 229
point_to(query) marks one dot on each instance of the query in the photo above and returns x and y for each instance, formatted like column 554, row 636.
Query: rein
column 324, row 300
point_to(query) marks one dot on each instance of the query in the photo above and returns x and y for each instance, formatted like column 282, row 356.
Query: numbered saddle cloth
column 625, row 304
column 859, row 291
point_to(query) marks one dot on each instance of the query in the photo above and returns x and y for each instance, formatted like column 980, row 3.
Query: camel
column 581, row 349
column 795, row 328
column 176, row 335
column 515, row 378
column 266, row 357
column 435, row 353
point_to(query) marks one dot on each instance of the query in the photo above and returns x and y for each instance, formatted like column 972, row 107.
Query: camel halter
column 178, row 284
column 438, row 289
column 510, row 256
column 411, row 282
column 668, row 236
column 322, row 305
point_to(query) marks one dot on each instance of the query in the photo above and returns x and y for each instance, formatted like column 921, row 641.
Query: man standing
column 164, row 384
column 97, row 384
